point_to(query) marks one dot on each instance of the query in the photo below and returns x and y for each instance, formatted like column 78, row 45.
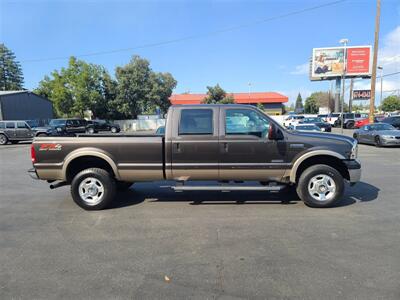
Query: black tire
column 3, row 139
column 108, row 185
column 123, row 186
column 350, row 125
column 90, row 130
column 378, row 142
column 41, row 135
column 314, row 172
column 355, row 136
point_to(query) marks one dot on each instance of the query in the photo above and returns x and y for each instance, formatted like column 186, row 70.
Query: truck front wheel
column 320, row 186
column 93, row 189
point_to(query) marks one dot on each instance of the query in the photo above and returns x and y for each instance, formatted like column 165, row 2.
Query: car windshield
column 307, row 127
column 382, row 126
column 312, row 120
column 57, row 122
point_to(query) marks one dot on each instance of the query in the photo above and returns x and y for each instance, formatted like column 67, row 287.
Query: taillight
column 33, row 154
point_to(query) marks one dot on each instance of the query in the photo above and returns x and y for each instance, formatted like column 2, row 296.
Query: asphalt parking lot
column 155, row 243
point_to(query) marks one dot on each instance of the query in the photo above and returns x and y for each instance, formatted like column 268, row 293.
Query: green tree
column 217, row 95
column 310, row 106
column 299, row 103
column 391, row 103
column 77, row 88
column 260, row 106
column 11, row 77
column 140, row 90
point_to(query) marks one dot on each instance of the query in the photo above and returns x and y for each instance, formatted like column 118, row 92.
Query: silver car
column 379, row 134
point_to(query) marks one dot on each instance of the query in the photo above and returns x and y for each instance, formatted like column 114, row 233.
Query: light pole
column 344, row 43
column 381, row 68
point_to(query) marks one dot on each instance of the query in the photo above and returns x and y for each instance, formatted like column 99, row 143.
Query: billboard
column 329, row 63
column 361, row 94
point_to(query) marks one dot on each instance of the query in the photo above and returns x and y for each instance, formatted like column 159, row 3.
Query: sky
column 233, row 43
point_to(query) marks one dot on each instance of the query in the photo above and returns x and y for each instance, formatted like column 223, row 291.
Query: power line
column 192, row 37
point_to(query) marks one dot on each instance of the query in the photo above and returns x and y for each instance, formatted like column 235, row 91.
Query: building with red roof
column 271, row 101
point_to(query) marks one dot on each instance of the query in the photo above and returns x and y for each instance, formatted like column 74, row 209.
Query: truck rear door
column 246, row 153
column 194, row 142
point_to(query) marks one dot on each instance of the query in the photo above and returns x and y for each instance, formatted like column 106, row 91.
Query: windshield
column 57, row 122
column 312, row 120
column 305, row 127
column 382, row 126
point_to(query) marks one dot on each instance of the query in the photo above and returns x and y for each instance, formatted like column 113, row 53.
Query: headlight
column 59, row 129
column 354, row 151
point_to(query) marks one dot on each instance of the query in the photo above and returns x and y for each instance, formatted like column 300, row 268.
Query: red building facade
column 272, row 102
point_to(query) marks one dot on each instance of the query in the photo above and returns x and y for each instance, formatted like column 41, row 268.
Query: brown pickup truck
column 222, row 143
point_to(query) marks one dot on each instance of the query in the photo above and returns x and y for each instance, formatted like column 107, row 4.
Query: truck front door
column 246, row 153
column 194, row 143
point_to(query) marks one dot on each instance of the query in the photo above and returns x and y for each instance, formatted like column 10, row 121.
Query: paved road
column 209, row 245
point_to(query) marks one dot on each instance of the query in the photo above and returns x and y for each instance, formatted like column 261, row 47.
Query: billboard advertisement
column 328, row 63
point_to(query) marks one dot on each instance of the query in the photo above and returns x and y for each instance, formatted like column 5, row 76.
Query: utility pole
column 344, row 43
column 351, row 95
column 337, row 94
column 381, row 68
column 374, row 63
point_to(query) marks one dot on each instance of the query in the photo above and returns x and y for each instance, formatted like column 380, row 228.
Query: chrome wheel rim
column 322, row 187
column 91, row 191
column 3, row 139
column 113, row 130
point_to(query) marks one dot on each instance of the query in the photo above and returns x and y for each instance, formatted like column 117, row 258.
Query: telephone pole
column 374, row 63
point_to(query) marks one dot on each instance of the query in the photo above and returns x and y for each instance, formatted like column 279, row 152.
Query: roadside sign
column 361, row 94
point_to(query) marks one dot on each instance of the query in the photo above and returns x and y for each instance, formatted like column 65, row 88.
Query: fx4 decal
column 50, row 147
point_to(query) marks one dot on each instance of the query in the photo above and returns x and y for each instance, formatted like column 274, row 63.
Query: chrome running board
column 227, row 188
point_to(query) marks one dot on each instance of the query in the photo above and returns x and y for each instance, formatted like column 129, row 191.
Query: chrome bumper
column 33, row 174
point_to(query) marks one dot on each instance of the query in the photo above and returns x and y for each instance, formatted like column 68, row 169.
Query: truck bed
column 132, row 157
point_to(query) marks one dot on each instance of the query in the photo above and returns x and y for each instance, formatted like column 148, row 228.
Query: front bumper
column 32, row 173
column 390, row 142
column 354, row 168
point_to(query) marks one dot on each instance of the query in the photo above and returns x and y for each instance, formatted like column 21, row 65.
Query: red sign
column 358, row 60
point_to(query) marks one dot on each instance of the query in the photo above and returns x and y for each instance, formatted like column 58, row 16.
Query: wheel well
column 85, row 162
column 331, row 161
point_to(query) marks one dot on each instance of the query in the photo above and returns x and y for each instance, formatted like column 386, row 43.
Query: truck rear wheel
column 320, row 186
column 93, row 189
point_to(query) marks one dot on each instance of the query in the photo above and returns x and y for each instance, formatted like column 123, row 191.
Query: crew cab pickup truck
column 221, row 143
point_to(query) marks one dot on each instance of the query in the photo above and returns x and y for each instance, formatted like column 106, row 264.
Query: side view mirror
column 274, row 133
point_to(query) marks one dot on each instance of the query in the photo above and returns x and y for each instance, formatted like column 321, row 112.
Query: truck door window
column 245, row 122
column 196, row 122
column 22, row 125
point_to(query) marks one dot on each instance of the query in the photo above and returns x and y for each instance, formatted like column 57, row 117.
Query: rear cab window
column 196, row 122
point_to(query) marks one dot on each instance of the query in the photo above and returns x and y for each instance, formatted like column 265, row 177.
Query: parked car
column 61, row 127
column 349, row 120
column 292, row 120
column 15, row 131
column 323, row 117
column 324, row 126
column 198, row 145
column 332, row 117
column 394, row 121
column 361, row 122
column 379, row 134
column 94, row 126
column 304, row 127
